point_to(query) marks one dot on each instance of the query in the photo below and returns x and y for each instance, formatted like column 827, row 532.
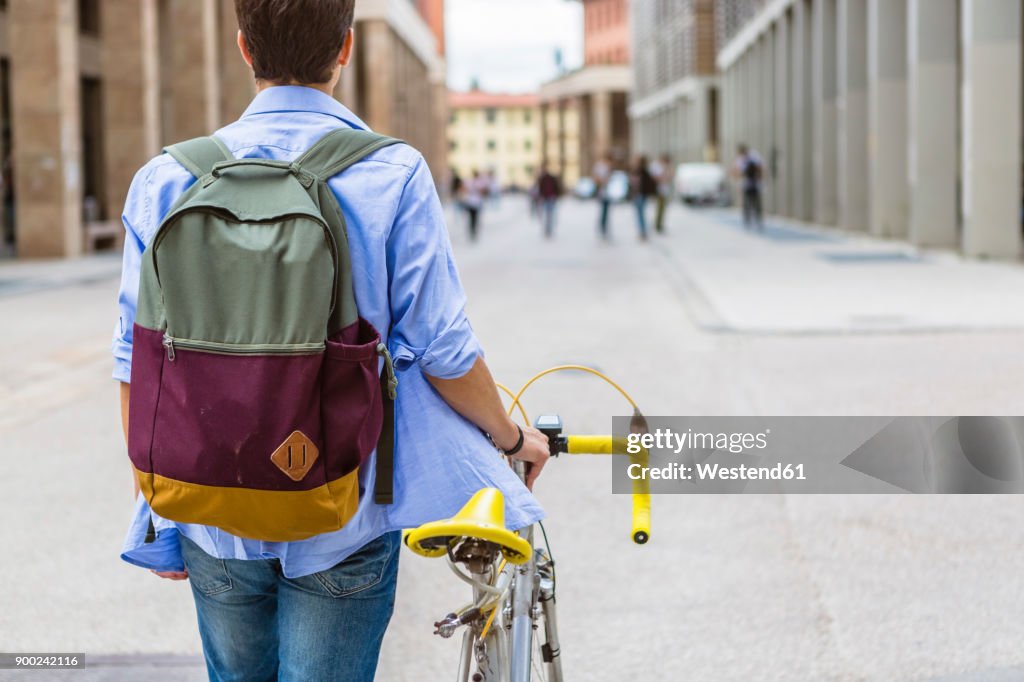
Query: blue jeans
column 640, row 202
column 257, row 625
column 548, row 211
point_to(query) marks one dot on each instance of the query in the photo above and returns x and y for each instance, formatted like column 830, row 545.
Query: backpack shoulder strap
column 333, row 153
column 199, row 154
column 339, row 149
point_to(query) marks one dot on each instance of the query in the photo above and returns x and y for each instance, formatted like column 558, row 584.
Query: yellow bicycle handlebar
column 616, row 445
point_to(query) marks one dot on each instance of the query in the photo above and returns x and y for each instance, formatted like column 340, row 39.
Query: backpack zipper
column 170, row 343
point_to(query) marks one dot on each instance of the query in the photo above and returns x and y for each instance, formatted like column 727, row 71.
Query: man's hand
column 170, row 575
column 535, row 452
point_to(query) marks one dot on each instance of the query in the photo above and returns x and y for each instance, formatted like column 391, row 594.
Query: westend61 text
column 717, row 472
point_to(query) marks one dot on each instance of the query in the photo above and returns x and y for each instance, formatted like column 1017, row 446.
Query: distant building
column 91, row 89
column 496, row 132
column 584, row 111
column 674, row 106
column 901, row 118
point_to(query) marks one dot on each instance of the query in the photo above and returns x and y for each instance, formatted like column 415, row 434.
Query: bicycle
column 511, row 625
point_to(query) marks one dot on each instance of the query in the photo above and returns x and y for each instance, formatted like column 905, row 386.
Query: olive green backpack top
column 257, row 393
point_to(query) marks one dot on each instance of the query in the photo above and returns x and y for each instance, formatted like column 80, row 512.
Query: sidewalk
column 794, row 279
column 20, row 277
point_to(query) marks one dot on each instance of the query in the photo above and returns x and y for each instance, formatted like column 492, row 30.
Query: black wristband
column 519, row 443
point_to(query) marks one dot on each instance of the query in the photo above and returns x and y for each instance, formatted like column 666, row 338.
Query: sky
column 509, row 45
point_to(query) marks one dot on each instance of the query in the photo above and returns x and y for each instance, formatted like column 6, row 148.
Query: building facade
column 674, row 107
column 91, row 89
column 498, row 133
column 901, row 118
column 584, row 111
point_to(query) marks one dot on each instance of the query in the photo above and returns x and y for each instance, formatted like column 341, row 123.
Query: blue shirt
column 405, row 280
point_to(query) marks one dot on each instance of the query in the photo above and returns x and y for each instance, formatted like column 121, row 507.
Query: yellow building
column 495, row 132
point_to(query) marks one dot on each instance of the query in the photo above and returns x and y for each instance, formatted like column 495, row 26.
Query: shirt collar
column 287, row 98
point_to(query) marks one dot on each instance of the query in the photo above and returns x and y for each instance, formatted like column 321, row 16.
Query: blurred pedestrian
column 493, row 190
column 454, row 186
column 474, row 191
column 549, row 189
column 661, row 171
column 602, row 173
column 750, row 170
column 643, row 186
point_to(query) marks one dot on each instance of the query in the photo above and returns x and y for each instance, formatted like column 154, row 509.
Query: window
column 527, row 145
column 453, row 117
column 527, row 116
column 452, row 145
column 491, row 145
column 89, row 17
column 491, row 114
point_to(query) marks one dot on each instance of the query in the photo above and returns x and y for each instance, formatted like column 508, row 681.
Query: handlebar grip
column 596, row 445
column 641, row 518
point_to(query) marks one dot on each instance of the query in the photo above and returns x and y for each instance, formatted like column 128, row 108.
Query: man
column 317, row 609
column 474, row 191
column 661, row 171
column 643, row 186
column 602, row 173
column 549, row 189
column 750, row 169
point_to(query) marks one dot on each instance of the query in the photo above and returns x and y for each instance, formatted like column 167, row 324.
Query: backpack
column 255, row 394
column 648, row 185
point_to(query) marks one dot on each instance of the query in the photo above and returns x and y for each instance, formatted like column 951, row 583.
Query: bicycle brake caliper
column 447, row 626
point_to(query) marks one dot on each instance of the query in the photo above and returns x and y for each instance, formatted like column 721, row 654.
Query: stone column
column 770, row 143
column 131, row 94
column 562, row 160
column 887, row 117
column 756, row 92
column 784, row 156
column 801, row 139
column 237, row 86
column 600, row 130
column 824, row 113
column 195, row 78
column 378, row 50
column 932, row 87
column 46, row 126
column 853, row 114
column 992, row 128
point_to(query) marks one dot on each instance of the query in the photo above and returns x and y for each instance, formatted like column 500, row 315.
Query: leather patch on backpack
column 295, row 456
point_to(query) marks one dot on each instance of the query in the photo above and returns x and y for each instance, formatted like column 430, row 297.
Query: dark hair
column 294, row 41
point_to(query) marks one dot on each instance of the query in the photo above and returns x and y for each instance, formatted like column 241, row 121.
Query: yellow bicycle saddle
column 483, row 517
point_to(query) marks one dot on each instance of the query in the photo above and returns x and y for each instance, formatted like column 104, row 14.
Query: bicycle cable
column 551, row 558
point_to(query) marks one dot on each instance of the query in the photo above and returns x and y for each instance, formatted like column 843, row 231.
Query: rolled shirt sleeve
column 429, row 326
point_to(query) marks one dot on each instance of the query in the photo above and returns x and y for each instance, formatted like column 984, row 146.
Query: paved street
column 706, row 320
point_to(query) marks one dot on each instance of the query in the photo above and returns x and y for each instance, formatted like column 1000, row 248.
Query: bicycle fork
column 550, row 649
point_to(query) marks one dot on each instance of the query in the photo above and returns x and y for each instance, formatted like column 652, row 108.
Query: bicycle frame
column 502, row 648
column 531, row 598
